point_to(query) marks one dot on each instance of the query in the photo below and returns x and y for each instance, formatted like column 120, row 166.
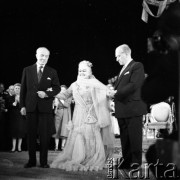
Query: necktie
column 40, row 73
column 122, row 70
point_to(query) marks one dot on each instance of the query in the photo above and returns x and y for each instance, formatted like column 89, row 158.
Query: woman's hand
column 111, row 93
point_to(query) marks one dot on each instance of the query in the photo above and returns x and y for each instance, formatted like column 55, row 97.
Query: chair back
column 161, row 112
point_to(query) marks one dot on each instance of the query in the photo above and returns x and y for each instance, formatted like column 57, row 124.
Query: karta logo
column 136, row 171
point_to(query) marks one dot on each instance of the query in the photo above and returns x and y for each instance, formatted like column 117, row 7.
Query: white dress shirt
column 38, row 66
column 124, row 67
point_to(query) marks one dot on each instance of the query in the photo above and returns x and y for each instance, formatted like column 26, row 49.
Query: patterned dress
column 84, row 149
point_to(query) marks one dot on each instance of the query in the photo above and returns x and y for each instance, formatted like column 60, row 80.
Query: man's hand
column 23, row 111
column 42, row 94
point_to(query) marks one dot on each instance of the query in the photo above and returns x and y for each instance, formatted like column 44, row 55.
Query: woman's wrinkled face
column 84, row 71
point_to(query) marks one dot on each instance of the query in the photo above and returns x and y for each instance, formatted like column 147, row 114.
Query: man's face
column 84, row 71
column 42, row 56
column 121, row 57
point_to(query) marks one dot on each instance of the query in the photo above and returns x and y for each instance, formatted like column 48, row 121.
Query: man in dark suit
column 129, row 107
column 39, row 85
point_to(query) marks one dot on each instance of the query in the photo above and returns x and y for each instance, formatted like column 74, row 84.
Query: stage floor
column 11, row 168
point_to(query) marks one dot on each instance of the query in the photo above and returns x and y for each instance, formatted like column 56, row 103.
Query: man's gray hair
column 42, row 48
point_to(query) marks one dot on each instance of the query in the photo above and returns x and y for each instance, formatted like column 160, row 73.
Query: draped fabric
column 162, row 5
column 101, row 105
column 90, row 129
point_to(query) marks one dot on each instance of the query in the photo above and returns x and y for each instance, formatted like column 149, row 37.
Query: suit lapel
column 34, row 74
column 122, row 74
column 44, row 74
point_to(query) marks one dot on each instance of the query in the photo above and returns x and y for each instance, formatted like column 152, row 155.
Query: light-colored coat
column 62, row 117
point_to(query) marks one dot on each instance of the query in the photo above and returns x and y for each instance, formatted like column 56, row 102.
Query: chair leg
column 154, row 132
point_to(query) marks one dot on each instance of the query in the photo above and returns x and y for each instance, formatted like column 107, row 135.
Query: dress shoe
column 12, row 151
column 29, row 165
column 44, row 166
column 58, row 149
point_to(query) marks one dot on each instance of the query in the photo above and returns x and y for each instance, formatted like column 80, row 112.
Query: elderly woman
column 90, row 129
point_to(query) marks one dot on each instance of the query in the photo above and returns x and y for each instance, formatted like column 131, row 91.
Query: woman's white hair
column 87, row 63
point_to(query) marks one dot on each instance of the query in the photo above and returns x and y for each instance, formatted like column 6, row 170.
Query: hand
column 111, row 93
column 42, row 94
column 23, row 111
column 14, row 103
column 56, row 102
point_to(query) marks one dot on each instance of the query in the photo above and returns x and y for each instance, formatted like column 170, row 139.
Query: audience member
column 62, row 117
column 17, row 121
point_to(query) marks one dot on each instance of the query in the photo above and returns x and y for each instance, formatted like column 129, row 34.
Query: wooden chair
column 161, row 116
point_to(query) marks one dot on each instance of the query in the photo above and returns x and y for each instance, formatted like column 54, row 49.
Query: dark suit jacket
column 29, row 87
column 128, row 101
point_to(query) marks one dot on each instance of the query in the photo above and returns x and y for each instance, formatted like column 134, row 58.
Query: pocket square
column 48, row 78
column 126, row 73
column 49, row 89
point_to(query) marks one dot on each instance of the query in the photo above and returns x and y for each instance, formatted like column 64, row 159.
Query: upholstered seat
column 161, row 116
